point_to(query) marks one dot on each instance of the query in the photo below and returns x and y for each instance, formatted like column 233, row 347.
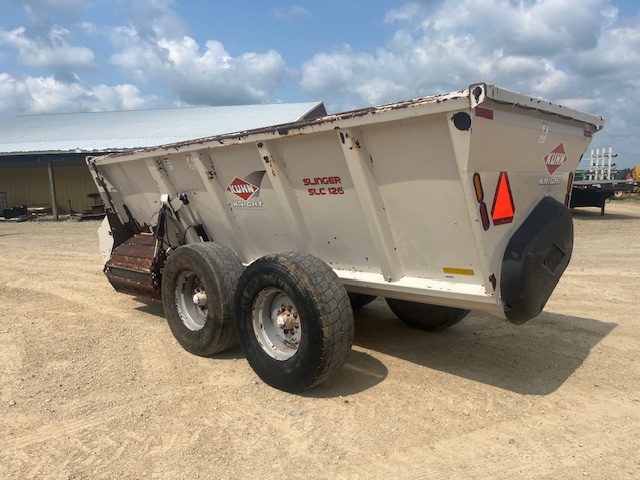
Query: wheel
column 198, row 284
column 425, row 316
column 617, row 194
column 359, row 300
column 293, row 320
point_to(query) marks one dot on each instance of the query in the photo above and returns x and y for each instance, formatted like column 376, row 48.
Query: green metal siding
column 28, row 185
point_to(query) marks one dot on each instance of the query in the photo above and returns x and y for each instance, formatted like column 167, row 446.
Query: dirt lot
column 94, row 386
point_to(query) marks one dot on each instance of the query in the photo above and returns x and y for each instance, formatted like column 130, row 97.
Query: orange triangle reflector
column 503, row 208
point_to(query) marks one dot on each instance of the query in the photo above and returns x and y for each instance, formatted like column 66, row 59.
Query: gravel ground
column 94, row 386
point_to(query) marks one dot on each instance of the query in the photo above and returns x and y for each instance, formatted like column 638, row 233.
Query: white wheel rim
column 191, row 303
column 271, row 308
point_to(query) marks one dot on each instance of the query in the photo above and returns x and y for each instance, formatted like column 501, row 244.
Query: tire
column 198, row 285
column 315, row 333
column 424, row 316
column 617, row 194
column 359, row 300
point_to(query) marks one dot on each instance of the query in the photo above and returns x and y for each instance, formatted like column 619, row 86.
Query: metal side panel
column 387, row 196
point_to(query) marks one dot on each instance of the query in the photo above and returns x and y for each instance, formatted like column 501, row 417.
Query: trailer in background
column 594, row 186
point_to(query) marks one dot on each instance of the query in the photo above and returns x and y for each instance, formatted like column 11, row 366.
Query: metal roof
column 122, row 130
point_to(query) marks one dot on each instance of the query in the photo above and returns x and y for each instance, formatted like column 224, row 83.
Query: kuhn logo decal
column 555, row 159
column 247, row 188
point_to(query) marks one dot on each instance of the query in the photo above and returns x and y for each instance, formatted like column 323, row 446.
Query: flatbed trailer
column 272, row 237
column 595, row 193
column 597, row 183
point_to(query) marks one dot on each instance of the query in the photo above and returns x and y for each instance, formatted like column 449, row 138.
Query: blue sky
column 93, row 55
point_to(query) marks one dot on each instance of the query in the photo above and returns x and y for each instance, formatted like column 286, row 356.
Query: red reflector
column 484, row 215
column 484, row 113
column 503, row 208
column 587, row 133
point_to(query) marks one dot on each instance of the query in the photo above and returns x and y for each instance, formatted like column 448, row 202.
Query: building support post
column 52, row 188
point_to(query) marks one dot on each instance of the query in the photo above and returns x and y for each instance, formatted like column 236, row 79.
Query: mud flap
column 535, row 258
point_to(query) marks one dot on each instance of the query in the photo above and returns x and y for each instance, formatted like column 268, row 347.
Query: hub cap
column 276, row 324
column 191, row 301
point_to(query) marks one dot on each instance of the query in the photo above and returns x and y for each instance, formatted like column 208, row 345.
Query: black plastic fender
column 535, row 259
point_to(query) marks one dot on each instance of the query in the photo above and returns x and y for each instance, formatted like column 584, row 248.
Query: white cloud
column 155, row 19
column 13, row 94
column 200, row 76
column 525, row 27
column 410, row 11
column 55, row 53
column 119, row 97
column 154, row 49
column 526, row 45
column 616, row 55
column 58, row 54
column 42, row 14
column 56, row 4
column 33, row 95
column 295, row 11
column 408, row 67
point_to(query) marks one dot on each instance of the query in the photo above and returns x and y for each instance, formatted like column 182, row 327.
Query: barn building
column 42, row 157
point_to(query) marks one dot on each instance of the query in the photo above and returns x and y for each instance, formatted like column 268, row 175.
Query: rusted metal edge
column 474, row 95
column 288, row 129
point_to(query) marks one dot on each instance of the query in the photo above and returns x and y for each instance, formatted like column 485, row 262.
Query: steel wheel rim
column 188, row 289
column 278, row 341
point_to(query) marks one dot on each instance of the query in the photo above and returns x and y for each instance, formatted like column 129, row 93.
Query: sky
column 60, row 56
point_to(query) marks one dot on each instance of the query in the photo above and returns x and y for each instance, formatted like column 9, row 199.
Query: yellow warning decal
column 458, row 271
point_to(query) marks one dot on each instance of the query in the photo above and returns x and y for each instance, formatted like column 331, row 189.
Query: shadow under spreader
column 533, row 359
column 360, row 372
column 150, row 307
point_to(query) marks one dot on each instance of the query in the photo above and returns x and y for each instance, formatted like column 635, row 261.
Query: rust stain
column 132, row 268
column 269, row 160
